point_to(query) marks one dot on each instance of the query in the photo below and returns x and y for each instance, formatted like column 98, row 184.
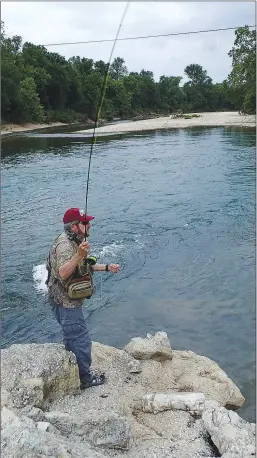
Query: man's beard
column 78, row 237
column 82, row 235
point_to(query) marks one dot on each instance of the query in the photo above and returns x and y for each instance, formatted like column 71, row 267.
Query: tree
column 242, row 79
column 147, row 74
column 118, row 69
column 100, row 66
column 117, row 93
column 10, row 76
column 199, row 89
column 197, row 75
column 172, row 96
column 36, row 82
column 31, row 110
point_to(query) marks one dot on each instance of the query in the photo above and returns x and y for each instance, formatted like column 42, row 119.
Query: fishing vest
column 80, row 284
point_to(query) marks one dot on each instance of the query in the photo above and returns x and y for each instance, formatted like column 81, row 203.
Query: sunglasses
column 83, row 222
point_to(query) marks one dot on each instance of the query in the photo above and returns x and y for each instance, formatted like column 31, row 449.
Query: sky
column 54, row 22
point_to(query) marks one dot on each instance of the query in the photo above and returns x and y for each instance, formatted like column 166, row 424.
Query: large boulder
column 165, row 370
column 155, row 347
column 31, row 442
column 107, row 429
column 192, row 372
column 34, row 373
column 233, row 436
column 172, row 434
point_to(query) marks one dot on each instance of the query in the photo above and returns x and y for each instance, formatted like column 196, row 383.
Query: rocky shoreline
column 157, row 403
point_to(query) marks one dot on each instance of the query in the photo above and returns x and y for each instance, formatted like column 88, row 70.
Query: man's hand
column 113, row 268
column 83, row 250
column 68, row 267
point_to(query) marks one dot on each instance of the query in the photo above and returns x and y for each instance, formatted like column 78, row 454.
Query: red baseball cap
column 76, row 214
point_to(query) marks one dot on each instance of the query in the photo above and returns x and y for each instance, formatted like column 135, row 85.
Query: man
column 69, row 283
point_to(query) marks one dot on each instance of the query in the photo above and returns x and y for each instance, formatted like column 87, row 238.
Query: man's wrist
column 77, row 258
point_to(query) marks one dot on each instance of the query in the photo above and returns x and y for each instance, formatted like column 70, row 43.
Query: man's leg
column 56, row 311
column 77, row 339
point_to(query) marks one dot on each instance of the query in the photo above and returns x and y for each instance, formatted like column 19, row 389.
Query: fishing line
column 102, row 94
column 160, row 35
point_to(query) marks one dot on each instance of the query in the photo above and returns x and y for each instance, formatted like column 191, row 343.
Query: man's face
column 81, row 229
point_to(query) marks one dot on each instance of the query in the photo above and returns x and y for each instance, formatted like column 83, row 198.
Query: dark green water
column 176, row 209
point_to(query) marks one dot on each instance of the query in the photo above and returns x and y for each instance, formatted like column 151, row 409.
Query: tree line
column 42, row 86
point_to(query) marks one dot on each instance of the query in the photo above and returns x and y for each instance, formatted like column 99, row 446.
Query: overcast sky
column 52, row 22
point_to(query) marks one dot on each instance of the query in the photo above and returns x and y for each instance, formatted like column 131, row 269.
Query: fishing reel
column 91, row 260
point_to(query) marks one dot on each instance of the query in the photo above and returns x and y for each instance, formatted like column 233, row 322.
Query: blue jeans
column 76, row 337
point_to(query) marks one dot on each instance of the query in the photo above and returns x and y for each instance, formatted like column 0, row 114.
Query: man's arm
column 67, row 268
column 102, row 267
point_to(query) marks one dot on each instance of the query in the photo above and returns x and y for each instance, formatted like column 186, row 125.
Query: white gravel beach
column 213, row 119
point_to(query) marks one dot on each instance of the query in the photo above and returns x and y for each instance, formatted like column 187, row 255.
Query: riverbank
column 213, row 119
column 9, row 129
column 156, row 402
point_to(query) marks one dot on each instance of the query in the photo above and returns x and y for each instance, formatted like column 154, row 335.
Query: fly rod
column 102, row 94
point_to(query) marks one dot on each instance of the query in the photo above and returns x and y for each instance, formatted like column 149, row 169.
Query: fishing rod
column 102, row 94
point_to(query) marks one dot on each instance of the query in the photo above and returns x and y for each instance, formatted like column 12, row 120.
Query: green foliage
column 172, row 96
column 38, row 85
column 241, row 82
column 30, row 108
column 199, row 89
column 66, row 116
column 118, row 69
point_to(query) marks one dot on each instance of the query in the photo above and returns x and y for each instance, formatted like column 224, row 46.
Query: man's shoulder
column 62, row 242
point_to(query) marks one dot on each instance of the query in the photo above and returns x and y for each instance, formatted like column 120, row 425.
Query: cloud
column 53, row 22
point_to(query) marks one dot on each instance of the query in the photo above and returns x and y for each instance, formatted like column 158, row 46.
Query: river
column 176, row 210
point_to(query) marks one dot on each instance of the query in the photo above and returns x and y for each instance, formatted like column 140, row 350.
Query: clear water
column 176, row 209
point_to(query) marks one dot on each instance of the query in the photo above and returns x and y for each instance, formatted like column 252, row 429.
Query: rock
column 194, row 402
column 36, row 373
column 6, row 398
column 10, row 418
column 152, row 347
column 134, row 366
column 29, row 391
column 97, row 422
column 101, row 429
column 178, row 434
column 34, row 413
column 233, row 436
column 192, row 372
column 43, row 425
column 17, row 442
